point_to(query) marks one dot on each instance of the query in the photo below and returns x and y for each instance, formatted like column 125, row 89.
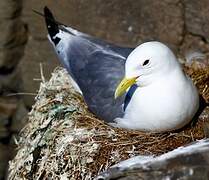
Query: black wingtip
column 51, row 24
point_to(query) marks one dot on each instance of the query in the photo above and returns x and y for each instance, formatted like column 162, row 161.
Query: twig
column 21, row 93
column 42, row 74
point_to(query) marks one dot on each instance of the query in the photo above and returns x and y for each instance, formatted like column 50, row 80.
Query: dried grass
column 63, row 140
column 200, row 77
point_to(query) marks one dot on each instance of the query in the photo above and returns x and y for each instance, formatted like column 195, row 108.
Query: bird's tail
column 52, row 25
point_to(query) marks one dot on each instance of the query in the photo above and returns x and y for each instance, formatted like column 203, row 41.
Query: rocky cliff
column 182, row 24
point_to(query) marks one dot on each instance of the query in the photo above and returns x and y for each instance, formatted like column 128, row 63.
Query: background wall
column 182, row 24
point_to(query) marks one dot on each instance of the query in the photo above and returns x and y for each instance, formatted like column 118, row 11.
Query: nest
column 63, row 140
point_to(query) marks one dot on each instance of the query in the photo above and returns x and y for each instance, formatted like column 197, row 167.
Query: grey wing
column 96, row 66
column 124, row 51
column 97, row 71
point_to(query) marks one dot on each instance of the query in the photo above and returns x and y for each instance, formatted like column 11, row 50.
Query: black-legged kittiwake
column 155, row 94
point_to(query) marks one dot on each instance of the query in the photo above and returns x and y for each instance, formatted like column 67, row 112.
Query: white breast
column 168, row 104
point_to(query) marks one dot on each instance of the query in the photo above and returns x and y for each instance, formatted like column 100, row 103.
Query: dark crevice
column 5, row 140
column 6, row 71
column 200, row 36
column 16, row 13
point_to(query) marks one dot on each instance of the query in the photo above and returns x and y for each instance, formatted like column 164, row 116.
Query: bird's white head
column 146, row 64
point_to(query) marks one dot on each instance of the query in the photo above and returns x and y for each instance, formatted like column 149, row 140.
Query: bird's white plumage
column 165, row 99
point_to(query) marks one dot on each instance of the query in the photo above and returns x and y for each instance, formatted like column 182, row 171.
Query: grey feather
column 97, row 67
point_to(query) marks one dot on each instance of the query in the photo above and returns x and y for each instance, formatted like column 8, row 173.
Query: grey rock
column 11, row 82
column 35, row 54
column 197, row 17
column 193, row 44
column 10, row 8
column 5, row 156
column 189, row 162
column 126, row 22
column 13, row 35
column 8, row 107
column 19, row 119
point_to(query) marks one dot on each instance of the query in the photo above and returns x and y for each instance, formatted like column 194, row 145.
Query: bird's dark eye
column 145, row 62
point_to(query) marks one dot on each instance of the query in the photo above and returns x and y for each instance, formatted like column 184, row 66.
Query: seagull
column 139, row 89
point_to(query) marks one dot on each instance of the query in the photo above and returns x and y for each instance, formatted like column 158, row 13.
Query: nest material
column 199, row 73
column 63, row 140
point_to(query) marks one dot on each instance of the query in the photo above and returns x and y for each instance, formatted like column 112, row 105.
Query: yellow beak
column 124, row 85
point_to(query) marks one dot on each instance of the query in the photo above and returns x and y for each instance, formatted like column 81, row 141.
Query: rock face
column 13, row 35
column 190, row 162
column 183, row 25
column 12, row 42
column 126, row 23
column 196, row 18
column 180, row 24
